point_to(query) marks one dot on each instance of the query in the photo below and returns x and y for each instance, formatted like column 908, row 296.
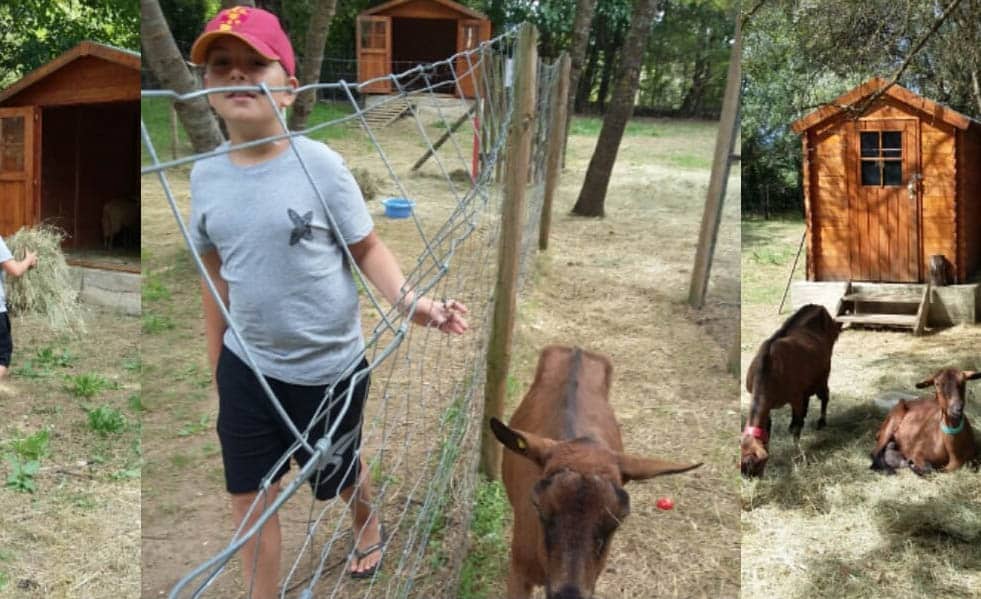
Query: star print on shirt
column 301, row 226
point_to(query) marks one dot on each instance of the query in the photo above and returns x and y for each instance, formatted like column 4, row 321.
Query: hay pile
column 45, row 291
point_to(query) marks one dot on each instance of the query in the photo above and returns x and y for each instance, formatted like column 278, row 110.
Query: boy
column 14, row 268
column 264, row 238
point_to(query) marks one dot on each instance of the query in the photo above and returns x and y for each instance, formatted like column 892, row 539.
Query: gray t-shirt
column 290, row 290
column 4, row 256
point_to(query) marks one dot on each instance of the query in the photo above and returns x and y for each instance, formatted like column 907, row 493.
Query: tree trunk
column 313, row 56
column 609, row 67
column 694, row 100
column 167, row 65
column 586, row 82
column 592, row 196
column 580, row 43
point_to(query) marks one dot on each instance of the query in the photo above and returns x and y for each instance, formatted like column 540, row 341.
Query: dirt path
column 617, row 285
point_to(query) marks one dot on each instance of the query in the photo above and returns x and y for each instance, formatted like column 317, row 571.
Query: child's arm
column 377, row 263
column 16, row 268
column 214, row 323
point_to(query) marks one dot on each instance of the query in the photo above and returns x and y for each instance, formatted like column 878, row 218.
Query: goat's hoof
column 820, row 424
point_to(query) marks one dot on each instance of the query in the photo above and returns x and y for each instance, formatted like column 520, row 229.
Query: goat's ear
column 636, row 468
column 925, row 383
column 531, row 446
column 970, row 375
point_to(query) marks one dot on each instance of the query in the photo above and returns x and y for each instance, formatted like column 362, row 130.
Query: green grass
column 193, row 428
column 486, row 563
column 768, row 252
column 87, row 384
column 32, row 447
column 153, row 289
column 22, row 473
column 47, row 356
column 106, row 420
column 156, row 323
column 644, row 127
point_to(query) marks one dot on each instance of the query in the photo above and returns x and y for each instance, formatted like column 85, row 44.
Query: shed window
column 882, row 157
column 12, row 144
column 471, row 36
column 373, row 35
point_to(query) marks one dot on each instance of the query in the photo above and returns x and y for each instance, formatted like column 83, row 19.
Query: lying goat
column 564, row 475
column 931, row 432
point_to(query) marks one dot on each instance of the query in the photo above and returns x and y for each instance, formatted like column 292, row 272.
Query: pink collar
column 756, row 432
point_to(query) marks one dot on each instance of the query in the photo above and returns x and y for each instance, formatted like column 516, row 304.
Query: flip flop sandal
column 360, row 555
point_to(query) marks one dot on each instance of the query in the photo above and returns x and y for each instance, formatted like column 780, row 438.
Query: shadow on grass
column 929, row 544
column 796, row 477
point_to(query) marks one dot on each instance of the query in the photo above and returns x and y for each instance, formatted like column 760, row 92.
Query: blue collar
column 952, row 431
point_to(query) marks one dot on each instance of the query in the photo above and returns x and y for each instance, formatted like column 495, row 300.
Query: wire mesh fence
column 421, row 423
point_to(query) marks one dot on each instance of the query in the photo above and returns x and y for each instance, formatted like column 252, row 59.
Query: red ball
column 665, row 504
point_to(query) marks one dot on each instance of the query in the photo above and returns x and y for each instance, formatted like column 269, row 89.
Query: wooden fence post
column 513, row 208
column 724, row 141
column 556, row 140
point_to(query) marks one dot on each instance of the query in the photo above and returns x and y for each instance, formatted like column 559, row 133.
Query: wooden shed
column 69, row 142
column 889, row 188
column 398, row 35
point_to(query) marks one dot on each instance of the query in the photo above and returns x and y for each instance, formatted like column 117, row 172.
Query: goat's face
column 580, row 502
column 951, row 393
column 753, row 456
column 578, row 514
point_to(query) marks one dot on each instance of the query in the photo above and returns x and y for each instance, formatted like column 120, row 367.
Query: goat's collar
column 756, row 432
column 952, row 430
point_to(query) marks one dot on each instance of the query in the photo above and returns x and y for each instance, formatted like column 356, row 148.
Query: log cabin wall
column 969, row 206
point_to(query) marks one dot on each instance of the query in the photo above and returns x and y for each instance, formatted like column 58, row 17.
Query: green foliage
column 22, row 473
column 156, row 323
column 106, row 420
column 33, row 32
column 798, row 56
column 48, row 356
column 135, row 403
column 32, row 447
column 486, row 563
column 87, row 384
column 153, row 288
column 194, row 428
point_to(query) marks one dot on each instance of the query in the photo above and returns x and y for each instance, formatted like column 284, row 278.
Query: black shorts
column 6, row 341
column 253, row 435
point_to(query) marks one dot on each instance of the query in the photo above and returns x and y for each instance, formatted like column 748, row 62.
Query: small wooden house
column 69, row 142
column 398, row 35
column 887, row 189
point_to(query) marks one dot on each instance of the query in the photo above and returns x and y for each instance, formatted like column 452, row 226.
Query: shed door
column 885, row 206
column 375, row 53
column 17, row 169
column 468, row 37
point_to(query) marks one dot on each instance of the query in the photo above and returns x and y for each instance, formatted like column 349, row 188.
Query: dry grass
column 820, row 523
column 45, row 291
column 78, row 535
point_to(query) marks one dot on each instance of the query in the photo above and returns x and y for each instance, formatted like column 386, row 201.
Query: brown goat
column 931, row 432
column 564, row 475
column 790, row 366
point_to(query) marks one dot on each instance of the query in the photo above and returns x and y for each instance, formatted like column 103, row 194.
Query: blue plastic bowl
column 398, row 207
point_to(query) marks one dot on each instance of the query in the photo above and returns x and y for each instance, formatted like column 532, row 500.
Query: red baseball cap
column 254, row 26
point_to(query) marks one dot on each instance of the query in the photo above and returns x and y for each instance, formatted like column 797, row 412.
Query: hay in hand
column 45, row 291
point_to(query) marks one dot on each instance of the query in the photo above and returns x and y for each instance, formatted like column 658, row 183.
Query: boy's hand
column 30, row 258
column 447, row 315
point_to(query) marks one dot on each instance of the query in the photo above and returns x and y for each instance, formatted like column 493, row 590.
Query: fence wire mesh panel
column 421, row 424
